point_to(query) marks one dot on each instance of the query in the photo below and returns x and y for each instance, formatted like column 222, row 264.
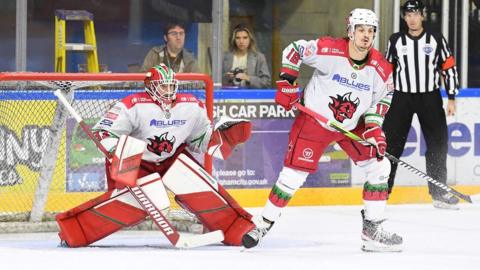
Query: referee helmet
column 413, row 6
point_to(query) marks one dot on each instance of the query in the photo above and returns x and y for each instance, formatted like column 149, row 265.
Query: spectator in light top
column 243, row 65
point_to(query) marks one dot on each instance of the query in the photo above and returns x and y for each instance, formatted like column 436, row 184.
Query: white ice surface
column 304, row 238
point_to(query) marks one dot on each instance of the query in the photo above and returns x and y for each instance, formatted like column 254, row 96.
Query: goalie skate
column 375, row 239
column 253, row 237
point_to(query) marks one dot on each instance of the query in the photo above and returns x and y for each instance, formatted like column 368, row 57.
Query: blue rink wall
column 254, row 166
column 337, row 180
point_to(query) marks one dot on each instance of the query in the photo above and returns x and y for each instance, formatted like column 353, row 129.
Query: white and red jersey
column 139, row 116
column 339, row 89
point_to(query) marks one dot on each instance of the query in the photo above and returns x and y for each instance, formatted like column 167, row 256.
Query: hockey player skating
column 172, row 125
column 351, row 85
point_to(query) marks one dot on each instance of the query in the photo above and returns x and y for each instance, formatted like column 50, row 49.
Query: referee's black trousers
column 431, row 115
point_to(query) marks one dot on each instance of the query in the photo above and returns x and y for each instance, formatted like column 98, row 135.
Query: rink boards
column 254, row 166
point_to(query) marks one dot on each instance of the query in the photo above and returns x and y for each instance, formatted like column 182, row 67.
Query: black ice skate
column 375, row 239
column 253, row 237
column 445, row 201
column 63, row 244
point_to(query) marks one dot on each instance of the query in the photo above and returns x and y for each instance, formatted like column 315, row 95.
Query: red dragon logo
column 343, row 106
column 161, row 144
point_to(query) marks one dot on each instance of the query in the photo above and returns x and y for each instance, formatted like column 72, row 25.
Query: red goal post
column 40, row 175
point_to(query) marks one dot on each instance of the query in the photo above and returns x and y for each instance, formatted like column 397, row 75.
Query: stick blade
column 475, row 198
column 200, row 240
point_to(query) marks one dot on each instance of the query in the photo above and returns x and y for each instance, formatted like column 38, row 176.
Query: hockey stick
column 356, row 138
column 178, row 240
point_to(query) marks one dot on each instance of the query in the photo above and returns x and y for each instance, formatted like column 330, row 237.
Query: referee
column 420, row 59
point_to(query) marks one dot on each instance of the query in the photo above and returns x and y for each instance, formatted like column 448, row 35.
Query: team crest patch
column 343, row 107
column 161, row 144
column 428, row 49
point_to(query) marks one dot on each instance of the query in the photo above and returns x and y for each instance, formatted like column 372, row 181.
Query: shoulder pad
column 133, row 99
column 328, row 40
column 332, row 46
column 381, row 65
column 189, row 98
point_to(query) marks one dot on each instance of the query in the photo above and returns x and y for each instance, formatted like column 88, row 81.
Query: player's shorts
column 308, row 140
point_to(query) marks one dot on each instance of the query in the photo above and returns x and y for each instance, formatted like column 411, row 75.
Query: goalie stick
column 178, row 240
column 355, row 137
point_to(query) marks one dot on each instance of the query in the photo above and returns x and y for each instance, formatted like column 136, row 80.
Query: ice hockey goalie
column 172, row 126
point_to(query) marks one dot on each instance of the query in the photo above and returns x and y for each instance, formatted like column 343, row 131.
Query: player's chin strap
column 126, row 163
column 353, row 136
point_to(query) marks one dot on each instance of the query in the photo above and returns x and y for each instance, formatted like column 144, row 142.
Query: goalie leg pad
column 108, row 213
column 216, row 214
column 234, row 234
column 79, row 227
column 201, row 194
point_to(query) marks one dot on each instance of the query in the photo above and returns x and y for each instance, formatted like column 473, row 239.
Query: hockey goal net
column 47, row 164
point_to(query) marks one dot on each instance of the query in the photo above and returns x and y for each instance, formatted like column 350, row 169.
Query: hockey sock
column 289, row 181
column 277, row 200
column 375, row 200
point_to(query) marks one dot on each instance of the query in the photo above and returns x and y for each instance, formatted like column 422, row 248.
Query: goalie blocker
column 194, row 190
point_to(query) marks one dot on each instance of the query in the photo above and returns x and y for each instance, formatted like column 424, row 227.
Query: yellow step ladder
column 61, row 45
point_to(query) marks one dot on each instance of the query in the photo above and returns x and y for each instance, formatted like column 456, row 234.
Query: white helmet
column 361, row 16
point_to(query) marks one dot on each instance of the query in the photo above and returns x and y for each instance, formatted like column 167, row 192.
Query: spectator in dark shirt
column 173, row 54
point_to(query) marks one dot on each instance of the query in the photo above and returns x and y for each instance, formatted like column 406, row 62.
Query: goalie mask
column 361, row 16
column 161, row 85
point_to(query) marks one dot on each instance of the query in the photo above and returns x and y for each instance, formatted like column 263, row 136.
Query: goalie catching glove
column 375, row 136
column 227, row 133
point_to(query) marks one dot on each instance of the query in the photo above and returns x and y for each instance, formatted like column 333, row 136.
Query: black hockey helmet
column 412, row 6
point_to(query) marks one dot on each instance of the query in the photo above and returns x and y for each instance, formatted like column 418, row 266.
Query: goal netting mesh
column 47, row 164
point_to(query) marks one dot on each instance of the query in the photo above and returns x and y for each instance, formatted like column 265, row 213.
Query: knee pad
column 290, row 180
column 376, row 172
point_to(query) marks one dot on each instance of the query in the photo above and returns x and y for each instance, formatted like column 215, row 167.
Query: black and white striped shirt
column 419, row 62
